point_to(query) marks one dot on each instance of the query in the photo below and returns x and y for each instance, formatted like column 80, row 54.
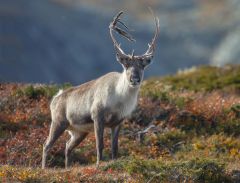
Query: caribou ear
column 122, row 60
column 147, row 61
column 119, row 59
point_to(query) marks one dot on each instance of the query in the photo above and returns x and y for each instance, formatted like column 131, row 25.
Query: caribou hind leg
column 56, row 130
column 76, row 138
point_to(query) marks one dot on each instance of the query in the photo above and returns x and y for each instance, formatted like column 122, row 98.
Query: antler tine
column 151, row 46
column 123, row 24
column 124, row 34
column 116, row 18
column 118, row 29
column 113, row 26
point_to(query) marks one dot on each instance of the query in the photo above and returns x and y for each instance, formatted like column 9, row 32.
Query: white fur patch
column 59, row 93
column 126, row 95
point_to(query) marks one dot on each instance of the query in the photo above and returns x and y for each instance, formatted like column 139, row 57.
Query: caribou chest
column 124, row 103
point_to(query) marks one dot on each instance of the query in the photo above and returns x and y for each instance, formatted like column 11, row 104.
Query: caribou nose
column 135, row 79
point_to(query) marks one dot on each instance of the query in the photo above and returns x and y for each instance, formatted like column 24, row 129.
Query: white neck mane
column 123, row 87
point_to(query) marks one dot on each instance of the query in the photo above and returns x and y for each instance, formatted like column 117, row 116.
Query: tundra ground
column 194, row 135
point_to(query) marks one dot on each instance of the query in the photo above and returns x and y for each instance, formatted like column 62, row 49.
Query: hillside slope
column 194, row 135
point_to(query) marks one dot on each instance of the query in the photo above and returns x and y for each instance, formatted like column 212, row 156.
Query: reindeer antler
column 119, row 30
column 113, row 26
column 120, row 52
column 151, row 46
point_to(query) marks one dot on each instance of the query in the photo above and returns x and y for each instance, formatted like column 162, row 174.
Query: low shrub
column 169, row 140
column 204, row 78
column 13, row 174
column 230, row 127
column 194, row 170
column 236, row 109
column 44, row 90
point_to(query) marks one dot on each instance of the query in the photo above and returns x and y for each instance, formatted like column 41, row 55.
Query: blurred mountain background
column 56, row 41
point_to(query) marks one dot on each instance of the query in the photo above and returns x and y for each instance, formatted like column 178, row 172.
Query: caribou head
column 133, row 65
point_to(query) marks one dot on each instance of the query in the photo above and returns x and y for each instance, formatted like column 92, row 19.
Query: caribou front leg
column 98, row 119
column 114, row 137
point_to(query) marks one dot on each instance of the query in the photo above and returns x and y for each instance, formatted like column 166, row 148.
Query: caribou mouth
column 134, row 84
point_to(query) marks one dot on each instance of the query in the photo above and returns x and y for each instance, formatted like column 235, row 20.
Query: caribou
column 100, row 103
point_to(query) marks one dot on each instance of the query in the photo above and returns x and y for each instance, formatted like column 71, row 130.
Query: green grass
column 193, row 170
column 44, row 90
column 204, row 78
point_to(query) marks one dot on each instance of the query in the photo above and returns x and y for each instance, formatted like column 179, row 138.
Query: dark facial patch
column 134, row 68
